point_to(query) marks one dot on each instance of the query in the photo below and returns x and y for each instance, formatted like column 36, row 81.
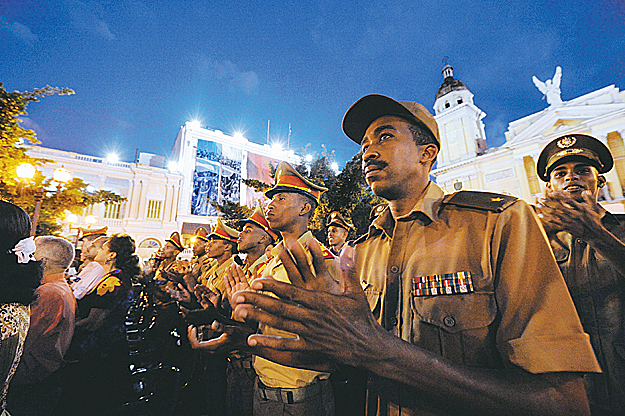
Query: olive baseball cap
column 371, row 107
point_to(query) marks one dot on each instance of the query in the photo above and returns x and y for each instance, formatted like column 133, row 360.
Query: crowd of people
column 459, row 304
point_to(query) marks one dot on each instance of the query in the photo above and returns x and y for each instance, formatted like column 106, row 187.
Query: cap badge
column 565, row 142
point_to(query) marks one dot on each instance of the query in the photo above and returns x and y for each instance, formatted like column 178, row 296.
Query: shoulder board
column 360, row 239
column 480, row 200
column 327, row 254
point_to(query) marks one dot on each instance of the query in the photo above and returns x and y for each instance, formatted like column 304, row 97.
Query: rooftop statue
column 551, row 88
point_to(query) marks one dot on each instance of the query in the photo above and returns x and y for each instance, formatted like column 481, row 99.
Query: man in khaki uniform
column 282, row 390
column 166, row 270
column 338, row 230
column 221, row 246
column 464, row 310
column 588, row 244
column 200, row 263
column 254, row 240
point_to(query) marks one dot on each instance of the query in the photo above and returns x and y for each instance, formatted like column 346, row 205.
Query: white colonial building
column 205, row 166
column 464, row 162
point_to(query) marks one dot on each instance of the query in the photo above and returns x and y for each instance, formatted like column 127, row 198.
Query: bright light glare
column 70, row 217
column 194, row 124
column 112, row 158
column 173, row 166
column 25, row 171
column 309, row 158
column 276, row 147
column 90, row 219
column 61, row 175
column 335, row 166
column 238, row 136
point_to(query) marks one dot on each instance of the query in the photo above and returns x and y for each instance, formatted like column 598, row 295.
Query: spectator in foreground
column 91, row 273
column 20, row 275
column 99, row 378
column 36, row 386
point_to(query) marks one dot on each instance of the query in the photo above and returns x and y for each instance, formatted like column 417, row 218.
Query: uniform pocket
column 458, row 327
column 373, row 296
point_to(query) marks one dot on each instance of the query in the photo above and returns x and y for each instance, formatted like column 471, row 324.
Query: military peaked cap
column 573, row 147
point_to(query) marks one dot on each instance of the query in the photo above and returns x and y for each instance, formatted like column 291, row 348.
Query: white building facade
column 205, row 166
column 511, row 168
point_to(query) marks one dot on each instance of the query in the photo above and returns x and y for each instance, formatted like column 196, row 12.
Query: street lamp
column 28, row 171
column 25, row 171
column 61, row 175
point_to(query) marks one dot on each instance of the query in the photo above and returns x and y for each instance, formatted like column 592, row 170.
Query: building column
column 530, row 174
column 617, row 148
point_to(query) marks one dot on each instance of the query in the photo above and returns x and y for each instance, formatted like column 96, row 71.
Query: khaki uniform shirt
column 476, row 286
column 213, row 278
column 201, row 265
column 276, row 375
column 256, row 270
column 598, row 291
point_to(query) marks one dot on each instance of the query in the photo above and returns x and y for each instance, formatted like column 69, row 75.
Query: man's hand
column 183, row 266
column 226, row 338
column 299, row 270
column 181, row 294
column 560, row 212
column 207, row 297
column 235, row 280
column 582, row 219
column 335, row 327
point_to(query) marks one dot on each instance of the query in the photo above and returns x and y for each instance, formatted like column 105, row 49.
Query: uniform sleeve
column 539, row 329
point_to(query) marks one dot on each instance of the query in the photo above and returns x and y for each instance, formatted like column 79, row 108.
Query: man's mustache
column 380, row 164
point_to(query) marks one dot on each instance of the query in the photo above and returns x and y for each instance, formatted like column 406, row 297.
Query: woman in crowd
column 20, row 275
column 100, row 374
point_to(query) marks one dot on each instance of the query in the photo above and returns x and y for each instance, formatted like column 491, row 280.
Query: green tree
column 14, row 139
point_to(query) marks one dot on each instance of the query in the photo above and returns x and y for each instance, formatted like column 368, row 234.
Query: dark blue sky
column 141, row 68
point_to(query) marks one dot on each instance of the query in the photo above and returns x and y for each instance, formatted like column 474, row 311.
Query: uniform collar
column 426, row 209
column 262, row 259
column 307, row 236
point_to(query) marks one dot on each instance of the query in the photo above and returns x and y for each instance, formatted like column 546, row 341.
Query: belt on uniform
column 289, row 396
column 240, row 362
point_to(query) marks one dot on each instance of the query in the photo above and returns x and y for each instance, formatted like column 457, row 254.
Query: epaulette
column 327, row 254
column 360, row 239
column 480, row 200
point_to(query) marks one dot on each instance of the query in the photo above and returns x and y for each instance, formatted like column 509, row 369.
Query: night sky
column 142, row 68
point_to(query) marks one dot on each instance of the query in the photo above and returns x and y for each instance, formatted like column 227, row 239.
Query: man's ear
column 428, row 154
column 601, row 181
column 305, row 208
column 263, row 239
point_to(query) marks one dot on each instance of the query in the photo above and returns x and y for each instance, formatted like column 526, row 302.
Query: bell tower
column 459, row 121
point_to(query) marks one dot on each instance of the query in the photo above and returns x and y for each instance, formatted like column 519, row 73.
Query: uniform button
column 449, row 321
column 579, row 241
column 393, row 321
column 394, row 269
